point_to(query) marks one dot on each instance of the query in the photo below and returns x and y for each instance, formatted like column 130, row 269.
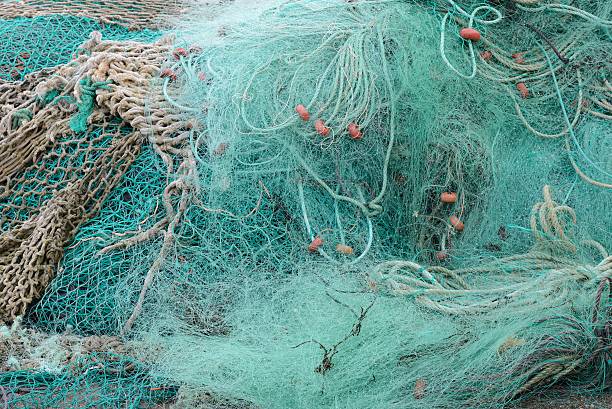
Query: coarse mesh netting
column 313, row 203
column 135, row 15
column 31, row 44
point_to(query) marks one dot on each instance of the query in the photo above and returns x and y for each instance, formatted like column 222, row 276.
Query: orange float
column 344, row 249
column 321, row 128
column 302, row 112
column 420, row 386
column 522, row 88
column 179, row 52
column 441, row 255
column 168, row 73
column 469, row 34
column 518, row 58
column 456, row 223
column 315, row 244
column 448, row 197
column 354, row 131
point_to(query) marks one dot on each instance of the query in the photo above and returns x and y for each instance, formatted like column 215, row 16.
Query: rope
column 85, row 106
column 472, row 19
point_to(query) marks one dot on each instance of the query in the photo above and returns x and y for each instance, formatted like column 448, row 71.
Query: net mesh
column 319, row 203
column 32, row 44
column 135, row 15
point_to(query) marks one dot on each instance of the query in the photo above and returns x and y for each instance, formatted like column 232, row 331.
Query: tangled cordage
column 353, row 204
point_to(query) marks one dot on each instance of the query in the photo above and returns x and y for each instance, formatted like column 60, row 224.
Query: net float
column 469, row 33
column 441, row 255
column 315, row 244
column 220, row 149
column 179, row 52
column 486, row 55
column 456, row 223
column 518, row 58
column 202, row 76
column 168, row 73
column 522, row 88
column 354, row 131
column 302, row 112
column 344, row 249
column 448, row 197
column 321, row 128
column 419, row 389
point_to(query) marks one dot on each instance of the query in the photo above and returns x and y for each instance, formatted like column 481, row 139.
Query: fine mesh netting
column 312, row 204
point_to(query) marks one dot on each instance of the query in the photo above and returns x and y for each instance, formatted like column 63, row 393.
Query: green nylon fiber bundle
column 316, row 332
column 417, row 313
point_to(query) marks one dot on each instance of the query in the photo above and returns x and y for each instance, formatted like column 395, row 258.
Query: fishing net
column 66, row 371
column 320, row 203
column 135, row 15
column 32, row 44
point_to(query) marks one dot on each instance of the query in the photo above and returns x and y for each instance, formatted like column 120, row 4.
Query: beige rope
column 134, row 14
column 30, row 250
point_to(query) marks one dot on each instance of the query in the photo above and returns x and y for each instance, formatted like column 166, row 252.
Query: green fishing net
column 92, row 381
column 314, row 263
column 87, row 293
column 31, row 44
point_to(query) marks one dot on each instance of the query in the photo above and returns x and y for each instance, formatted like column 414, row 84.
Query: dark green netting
column 68, row 160
column 242, row 308
column 101, row 380
column 31, row 44
column 85, row 295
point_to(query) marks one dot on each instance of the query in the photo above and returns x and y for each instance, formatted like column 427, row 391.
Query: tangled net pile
column 322, row 204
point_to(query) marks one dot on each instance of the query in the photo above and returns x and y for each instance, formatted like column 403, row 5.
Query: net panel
column 135, row 15
column 301, row 263
column 33, row 44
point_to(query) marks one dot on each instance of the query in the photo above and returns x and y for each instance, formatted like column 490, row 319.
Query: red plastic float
column 518, row 58
column 486, row 55
column 354, row 131
column 522, row 88
column 456, row 223
column 441, row 255
column 315, row 244
column 302, row 112
column 469, row 34
column 420, row 387
column 448, row 197
column 179, row 52
column 321, row 128
column 168, row 73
